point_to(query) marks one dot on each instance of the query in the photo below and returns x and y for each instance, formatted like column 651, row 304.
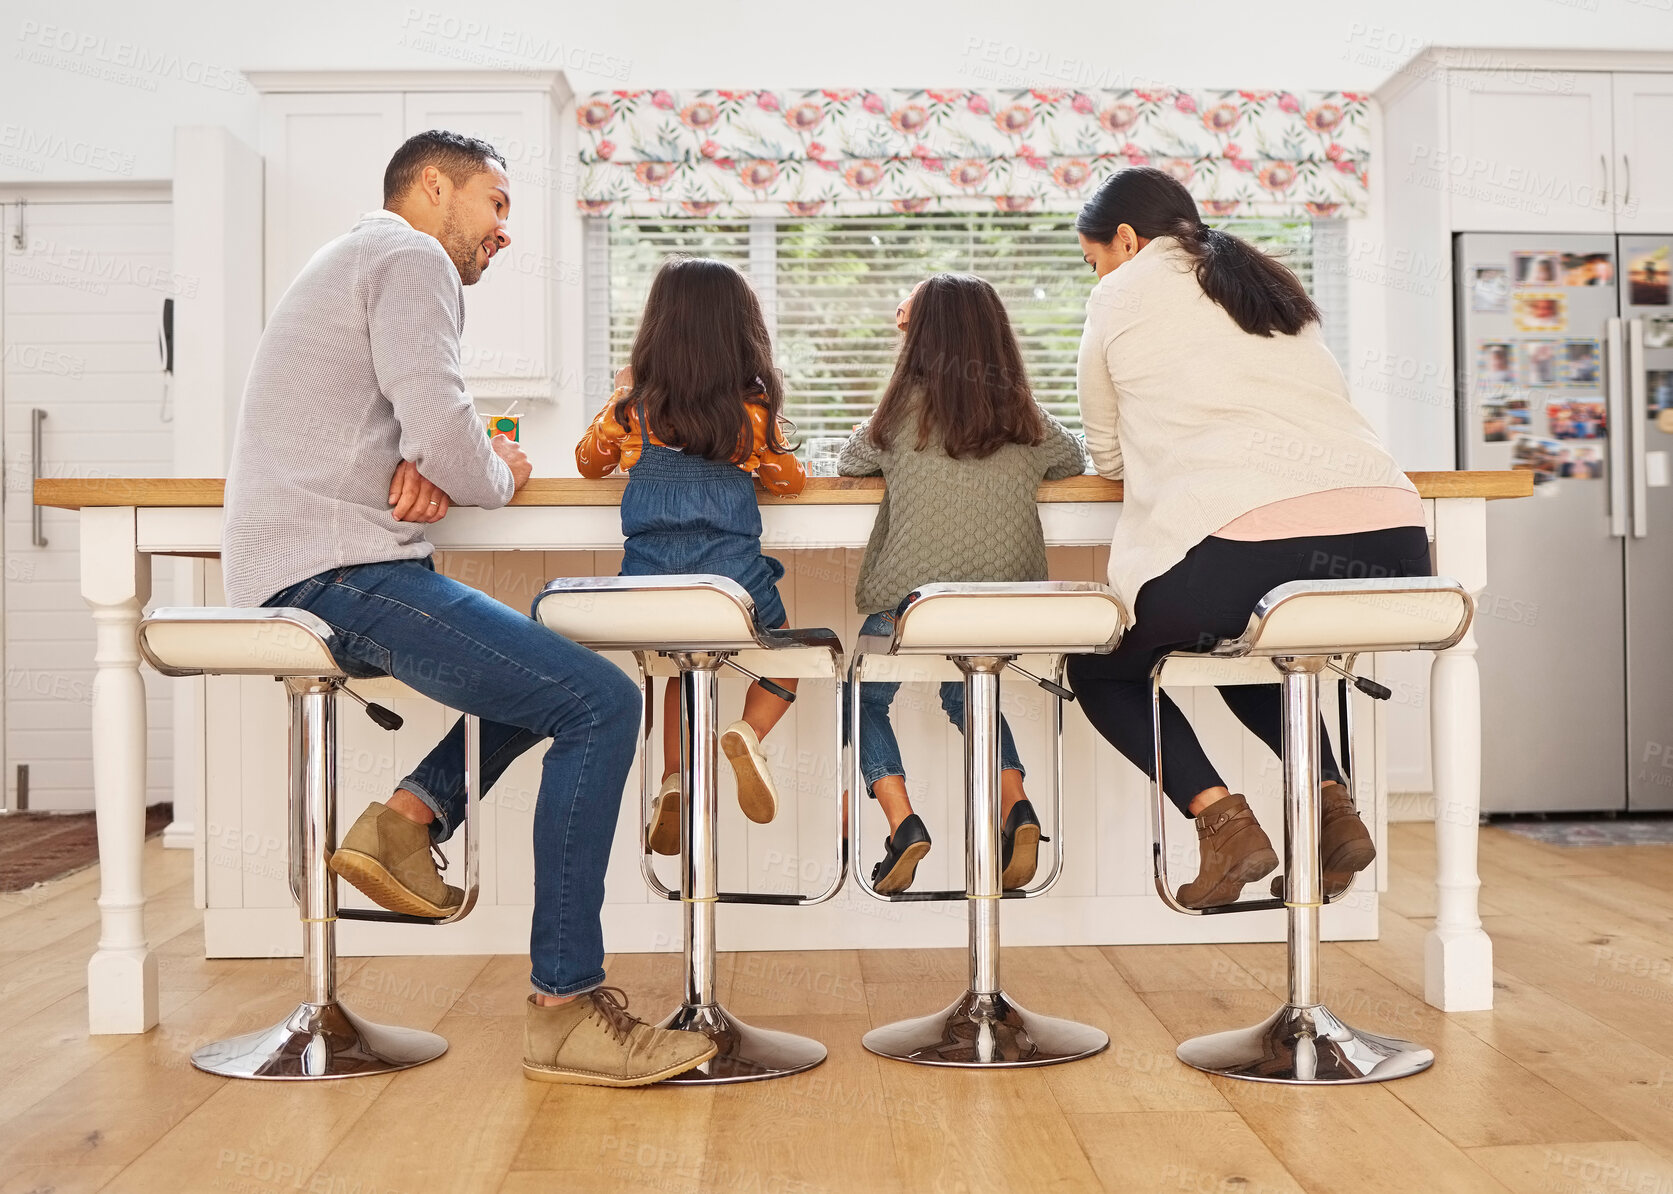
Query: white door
column 1644, row 152
column 1527, row 152
column 82, row 287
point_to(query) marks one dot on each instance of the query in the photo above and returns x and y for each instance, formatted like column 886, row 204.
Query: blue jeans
column 879, row 748
column 465, row 650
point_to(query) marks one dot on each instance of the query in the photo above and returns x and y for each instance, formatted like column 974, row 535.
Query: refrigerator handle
column 1638, row 413
column 1614, row 390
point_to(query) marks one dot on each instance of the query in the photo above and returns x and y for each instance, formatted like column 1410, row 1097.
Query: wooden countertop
column 73, row 494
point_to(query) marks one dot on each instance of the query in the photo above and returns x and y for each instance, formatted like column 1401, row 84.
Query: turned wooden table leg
column 116, row 582
column 1457, row 953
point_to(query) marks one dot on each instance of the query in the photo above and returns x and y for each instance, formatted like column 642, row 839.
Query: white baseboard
column 179, row 835
column 1411, row 806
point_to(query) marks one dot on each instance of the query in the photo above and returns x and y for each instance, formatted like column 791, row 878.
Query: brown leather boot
column 1345, row 845
column 1234, row 850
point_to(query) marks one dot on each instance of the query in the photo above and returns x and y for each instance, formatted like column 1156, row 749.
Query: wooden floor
column 1567, row 1086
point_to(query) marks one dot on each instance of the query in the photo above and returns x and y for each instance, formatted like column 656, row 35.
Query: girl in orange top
column 692, row 421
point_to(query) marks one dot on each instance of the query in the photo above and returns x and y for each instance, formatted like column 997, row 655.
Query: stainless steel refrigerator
column 1565, row 367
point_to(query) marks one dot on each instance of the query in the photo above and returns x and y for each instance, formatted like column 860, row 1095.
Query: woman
column 1206, row 386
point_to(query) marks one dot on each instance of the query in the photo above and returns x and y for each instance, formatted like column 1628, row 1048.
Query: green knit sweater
column 954, row 520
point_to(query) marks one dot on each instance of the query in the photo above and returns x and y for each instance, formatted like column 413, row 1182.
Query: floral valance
column 1277, row 154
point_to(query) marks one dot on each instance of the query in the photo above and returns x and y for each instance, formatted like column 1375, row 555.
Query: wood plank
column 1175, row 1150
column 1607, row 1167
column 828, row 1128
column 72, row 493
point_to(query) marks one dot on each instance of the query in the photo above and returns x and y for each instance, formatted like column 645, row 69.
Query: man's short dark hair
column 454, row 154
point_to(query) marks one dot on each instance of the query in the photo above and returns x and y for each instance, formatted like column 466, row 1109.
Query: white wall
column 95, row 90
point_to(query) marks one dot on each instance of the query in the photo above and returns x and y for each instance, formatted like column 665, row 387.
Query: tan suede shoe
column 1234, row 850
column 757, row 794
column 387, row 856
column 1345, row 845
column 593, row 1041
column 663, row 833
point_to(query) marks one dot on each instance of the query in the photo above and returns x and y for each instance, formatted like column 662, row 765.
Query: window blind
column 829, row 289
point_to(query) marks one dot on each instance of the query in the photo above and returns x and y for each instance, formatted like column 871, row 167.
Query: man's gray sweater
column 357, row 370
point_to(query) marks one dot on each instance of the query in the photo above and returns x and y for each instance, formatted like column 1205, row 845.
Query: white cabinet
column 1527, row 151
column 326, row 141
column 506, row 347
column 1644, row 152
column 324, row 155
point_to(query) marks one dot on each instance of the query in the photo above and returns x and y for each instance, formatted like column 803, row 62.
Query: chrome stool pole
column 699, row 624
column 320, row 1038
column 1303, row 1043
column 985, row 1027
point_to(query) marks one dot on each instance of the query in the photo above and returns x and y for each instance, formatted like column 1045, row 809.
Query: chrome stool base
column 747, row 1053
column 319, row 1040
column 986, row 1032
column 1305, row 1046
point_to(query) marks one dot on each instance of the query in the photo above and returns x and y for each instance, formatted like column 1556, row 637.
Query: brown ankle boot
column 1345, row 845
column 1234, row 850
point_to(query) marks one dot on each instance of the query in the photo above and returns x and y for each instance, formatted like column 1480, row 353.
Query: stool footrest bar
column 388, row 918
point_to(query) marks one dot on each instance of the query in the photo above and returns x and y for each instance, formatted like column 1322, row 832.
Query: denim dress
column 683, row 514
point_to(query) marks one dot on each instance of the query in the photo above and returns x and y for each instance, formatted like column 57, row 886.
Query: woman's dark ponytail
column 1260, row 294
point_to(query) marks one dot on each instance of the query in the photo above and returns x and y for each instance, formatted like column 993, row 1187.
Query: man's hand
column 512, row 453
column 414, row 499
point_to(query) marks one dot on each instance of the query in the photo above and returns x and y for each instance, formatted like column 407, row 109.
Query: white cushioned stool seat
column 1344, row 617
column 1010, row 618
column 657, row 615
column 210, row 640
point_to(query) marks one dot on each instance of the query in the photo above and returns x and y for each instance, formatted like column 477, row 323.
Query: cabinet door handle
column 1603, row 165
column 1626, row 195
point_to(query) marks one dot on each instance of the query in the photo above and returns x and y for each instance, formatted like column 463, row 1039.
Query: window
column 829, row 289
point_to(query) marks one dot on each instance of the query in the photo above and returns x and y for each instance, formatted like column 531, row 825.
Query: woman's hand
column 624, row 377
column 414, row 499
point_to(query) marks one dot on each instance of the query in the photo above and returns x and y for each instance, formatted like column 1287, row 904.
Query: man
column 355, row 431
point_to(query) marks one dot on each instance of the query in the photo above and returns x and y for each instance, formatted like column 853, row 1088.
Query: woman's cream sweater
column 1203, row 421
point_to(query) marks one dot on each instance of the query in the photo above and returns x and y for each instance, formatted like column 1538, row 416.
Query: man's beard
column 461, row 248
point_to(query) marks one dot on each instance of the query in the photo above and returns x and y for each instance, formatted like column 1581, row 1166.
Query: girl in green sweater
column 962, row 447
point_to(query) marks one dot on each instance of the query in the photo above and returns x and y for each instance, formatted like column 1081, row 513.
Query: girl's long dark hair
column 961, row 359
column 1258, row 292
column 701, row 356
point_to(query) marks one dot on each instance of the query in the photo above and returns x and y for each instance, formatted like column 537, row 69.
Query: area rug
column 35, row 847
column 1656, row 831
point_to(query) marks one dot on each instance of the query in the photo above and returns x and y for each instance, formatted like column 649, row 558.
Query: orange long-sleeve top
column 608, row 445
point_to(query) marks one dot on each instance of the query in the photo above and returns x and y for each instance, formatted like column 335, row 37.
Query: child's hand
column 624, row 377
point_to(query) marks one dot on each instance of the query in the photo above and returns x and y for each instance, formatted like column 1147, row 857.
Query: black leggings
column 1206, row 597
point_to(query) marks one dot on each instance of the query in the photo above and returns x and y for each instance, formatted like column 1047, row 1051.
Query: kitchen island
column 566, row 526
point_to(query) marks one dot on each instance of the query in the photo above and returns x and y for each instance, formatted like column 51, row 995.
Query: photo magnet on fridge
column 1540, row 311
column 1495, row 363
column 1538, row 361
column 1579, row 418
column 1658, row 331
column 1489, row 288
column 1580, row 363
column 1585, row 463
column 1659, row 384
column 1537, row 268
column 1542, row 457
column 1495, row 425
column 1647, row 278
column 1588, row 269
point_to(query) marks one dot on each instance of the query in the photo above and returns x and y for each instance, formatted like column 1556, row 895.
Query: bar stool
column 1299, row 630
column 973, row 632
column 321, row 1038
column 691, row 626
